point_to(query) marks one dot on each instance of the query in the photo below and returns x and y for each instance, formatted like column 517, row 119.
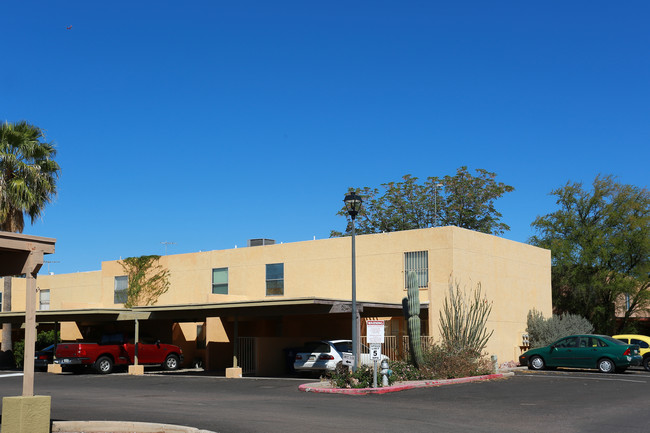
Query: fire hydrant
column 385, row 372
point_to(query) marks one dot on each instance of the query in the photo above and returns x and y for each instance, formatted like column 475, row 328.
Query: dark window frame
column 120, row 296
column 275, row 279
column 220, row 288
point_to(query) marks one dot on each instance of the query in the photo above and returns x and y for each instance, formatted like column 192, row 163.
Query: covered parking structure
column 254, row 335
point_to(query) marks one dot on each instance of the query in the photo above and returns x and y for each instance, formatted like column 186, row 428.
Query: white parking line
column 584, row 377
column 11, row 375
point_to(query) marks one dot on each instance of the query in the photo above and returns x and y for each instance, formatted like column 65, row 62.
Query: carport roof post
column 23, row 254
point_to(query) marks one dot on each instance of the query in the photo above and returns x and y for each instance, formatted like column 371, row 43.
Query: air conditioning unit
column 259, row 242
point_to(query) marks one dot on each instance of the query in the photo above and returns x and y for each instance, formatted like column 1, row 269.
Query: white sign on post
column 375, row 352
column 375, row 331
column 348, row 358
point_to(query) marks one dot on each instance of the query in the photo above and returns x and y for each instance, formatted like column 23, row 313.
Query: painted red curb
column 323, row 387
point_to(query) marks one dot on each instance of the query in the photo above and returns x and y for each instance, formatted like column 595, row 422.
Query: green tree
column 148, row 279
column 28, row 176
column 600, row 245
column 463, row 200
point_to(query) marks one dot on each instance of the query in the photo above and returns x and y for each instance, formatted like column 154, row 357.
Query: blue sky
column 206, row 123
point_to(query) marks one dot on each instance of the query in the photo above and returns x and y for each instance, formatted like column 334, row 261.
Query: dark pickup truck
column 107, row 354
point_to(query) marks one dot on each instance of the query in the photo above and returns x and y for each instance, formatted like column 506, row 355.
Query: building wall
column 516, row 277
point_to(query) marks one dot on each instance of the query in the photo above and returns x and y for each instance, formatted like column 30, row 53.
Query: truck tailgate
column 64, row 350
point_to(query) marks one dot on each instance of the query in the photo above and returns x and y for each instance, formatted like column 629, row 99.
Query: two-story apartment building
column 270, row 298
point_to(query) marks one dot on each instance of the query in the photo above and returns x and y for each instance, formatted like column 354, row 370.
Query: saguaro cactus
column 412, row 302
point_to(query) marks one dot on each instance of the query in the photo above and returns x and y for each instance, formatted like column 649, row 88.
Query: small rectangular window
column 44, row 300
column 220, row 281
column 275, row 279
column 417, row 261
column 0, row 301
column 121, row 284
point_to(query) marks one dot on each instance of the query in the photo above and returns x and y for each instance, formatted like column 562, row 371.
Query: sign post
column 375, row 332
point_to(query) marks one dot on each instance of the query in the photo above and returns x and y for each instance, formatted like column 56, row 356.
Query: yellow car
column 644, row 345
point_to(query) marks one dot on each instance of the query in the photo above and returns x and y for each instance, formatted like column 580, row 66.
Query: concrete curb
column 326, row 387
column 120, row 427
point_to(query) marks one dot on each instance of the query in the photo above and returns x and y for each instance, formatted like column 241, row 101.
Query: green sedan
column 584, row 351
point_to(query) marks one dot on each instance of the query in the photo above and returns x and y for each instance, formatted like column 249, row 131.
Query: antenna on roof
column 165, row 243
column 48, row 264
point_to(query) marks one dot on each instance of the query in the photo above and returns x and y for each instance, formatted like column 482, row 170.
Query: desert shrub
column 404, row 371
column 463, row 318
column 343, row 377
column 19, row 352
column 442, row 362
column 43, row 339
column 542, row 332
column 438, row 362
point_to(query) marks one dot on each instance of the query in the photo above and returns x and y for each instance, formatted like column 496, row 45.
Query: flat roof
column 199, row 312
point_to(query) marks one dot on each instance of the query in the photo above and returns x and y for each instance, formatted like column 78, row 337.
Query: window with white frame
column 275, row 279
column 418, row 262
column 44, row 299
column 121, row 284
column 220, row 281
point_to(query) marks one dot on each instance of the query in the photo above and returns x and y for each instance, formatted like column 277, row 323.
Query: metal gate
column 389, row 348
column 246, row 354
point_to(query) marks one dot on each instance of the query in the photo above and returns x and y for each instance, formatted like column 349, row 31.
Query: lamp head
column 353, row 204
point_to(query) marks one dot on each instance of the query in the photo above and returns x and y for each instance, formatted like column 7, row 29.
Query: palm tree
column 28, row 175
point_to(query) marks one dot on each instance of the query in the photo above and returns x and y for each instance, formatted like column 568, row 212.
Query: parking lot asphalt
column 547, row 401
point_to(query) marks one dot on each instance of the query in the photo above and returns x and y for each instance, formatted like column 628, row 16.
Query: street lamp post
column 435, row 203
column 353, row 205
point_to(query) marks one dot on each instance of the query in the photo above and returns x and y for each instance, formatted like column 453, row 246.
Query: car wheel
column 646, row 363
column 606, row 365
column 104, row 365
column 171, row 362
column 536, row 363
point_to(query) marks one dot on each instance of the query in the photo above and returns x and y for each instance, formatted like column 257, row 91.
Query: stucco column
column 33, row 264
column 235, row 371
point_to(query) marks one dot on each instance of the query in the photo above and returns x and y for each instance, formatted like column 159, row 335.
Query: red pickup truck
column 109, row 353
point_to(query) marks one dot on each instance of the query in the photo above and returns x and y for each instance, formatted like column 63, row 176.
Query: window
column 567, row 342
column 121, row 284
column 417, row 261
column 591, row 342
column 0, row 301
column 220, row 281
column 44, row 300
column 642, row 344
column 275, row 279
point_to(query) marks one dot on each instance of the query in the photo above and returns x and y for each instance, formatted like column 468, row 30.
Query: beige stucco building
column 274, row 297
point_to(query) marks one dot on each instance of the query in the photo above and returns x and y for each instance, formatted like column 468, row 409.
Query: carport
column 274, row 321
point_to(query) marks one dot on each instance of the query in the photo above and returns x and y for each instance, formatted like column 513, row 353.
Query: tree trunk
column 6, row 306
